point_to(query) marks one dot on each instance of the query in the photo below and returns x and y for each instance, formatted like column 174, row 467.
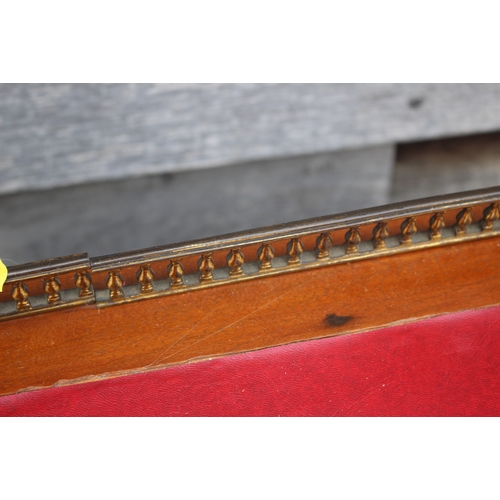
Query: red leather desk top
column 443, row 366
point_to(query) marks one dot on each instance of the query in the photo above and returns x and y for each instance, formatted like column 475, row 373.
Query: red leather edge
column 443, row 366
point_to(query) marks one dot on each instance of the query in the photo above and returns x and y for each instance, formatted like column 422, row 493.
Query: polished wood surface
column 81, row 343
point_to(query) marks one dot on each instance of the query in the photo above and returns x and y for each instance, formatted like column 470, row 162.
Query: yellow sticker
column 3, row 274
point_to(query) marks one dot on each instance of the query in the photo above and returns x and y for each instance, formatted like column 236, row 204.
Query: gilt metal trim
column 252, row 254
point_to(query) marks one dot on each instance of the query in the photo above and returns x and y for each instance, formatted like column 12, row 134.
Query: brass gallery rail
column 77, row 280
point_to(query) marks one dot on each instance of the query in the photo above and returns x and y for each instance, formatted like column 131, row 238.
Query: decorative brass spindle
column 145, row 277
column 294, row 248
column 323, row 245
column 491, row 214
column 266, row 255
column 206, row 266
column 352, row 240
column 437, row 224
column 20, row 295
column 408, row 229
column 115, row 283
column 52, row 286
column 235, row 260
column 380, row 233
column 83, row 282
column 175, row 273
column 464, row 218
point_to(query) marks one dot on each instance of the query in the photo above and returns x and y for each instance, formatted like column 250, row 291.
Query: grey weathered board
column 64, row 134
column 446, row 166
column 126, row 214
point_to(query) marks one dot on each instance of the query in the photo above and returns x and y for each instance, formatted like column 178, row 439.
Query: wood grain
column 84, row 342
column 64, row 134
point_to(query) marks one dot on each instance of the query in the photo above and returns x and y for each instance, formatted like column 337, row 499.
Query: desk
column 403, row 296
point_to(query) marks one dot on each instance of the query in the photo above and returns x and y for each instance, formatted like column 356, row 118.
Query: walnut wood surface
column 84, row 342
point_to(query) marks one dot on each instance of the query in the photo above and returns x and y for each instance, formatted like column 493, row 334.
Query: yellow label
column 3, row 275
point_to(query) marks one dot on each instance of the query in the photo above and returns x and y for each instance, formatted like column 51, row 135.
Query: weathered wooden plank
column 62, row 134
column 446, row 166
column 122, row 215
